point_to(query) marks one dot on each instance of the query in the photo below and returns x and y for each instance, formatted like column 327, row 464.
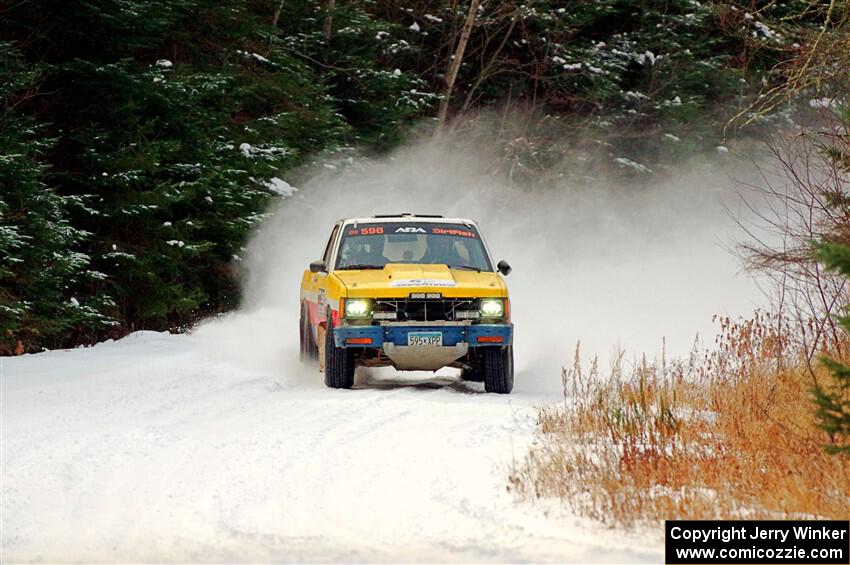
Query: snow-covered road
column 160, row 448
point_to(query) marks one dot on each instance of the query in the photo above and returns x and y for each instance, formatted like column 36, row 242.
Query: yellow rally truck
column 410, row 291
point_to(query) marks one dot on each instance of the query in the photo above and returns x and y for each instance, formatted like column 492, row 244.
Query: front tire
column 498, row 368
column 339, row 362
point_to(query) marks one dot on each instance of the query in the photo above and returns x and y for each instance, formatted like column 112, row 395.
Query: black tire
column 339, row 362
column 498, row 368
column 473, row 374
column 308, row 350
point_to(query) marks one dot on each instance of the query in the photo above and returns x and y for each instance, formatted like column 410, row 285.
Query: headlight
column 492, row 308
column 358, row 308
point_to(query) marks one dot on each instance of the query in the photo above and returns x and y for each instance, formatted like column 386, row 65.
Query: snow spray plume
column 612, row 267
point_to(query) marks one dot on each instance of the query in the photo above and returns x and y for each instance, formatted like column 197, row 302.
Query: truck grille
column 425, row 310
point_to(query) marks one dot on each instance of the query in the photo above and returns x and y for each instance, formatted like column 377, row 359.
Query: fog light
column 492, row 308
column 358, row 308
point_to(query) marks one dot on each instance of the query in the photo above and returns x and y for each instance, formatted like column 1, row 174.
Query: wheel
column 339, row 362
column 498, row 369
column 474, row 374
column 308, row 350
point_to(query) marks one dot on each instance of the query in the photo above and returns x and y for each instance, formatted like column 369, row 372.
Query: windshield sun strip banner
column 414, row 228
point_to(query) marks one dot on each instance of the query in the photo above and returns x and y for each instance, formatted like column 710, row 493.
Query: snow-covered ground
column 166, row 448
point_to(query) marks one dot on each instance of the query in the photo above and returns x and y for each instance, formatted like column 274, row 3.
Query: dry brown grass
column 728, row 434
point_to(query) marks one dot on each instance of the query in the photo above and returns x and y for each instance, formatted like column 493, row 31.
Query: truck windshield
column 373, row 245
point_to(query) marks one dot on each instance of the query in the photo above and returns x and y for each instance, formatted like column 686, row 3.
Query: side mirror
column 320, row 267
column 503, row 267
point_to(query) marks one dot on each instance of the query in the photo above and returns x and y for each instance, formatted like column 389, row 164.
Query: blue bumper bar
column 356, row 336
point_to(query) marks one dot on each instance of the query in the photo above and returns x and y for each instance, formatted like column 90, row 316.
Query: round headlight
column 357, row 308
column 492, row 308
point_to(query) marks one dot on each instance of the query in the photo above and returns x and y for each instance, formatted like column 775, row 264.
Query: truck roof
column 406, row 217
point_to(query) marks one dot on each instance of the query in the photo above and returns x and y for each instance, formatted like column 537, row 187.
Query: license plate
column 425, row 338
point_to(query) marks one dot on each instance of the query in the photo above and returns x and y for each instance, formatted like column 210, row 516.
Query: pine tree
column 42, row 270
column 368, row 67
column 832, row 399
column 170, row 122
column 635, row 87
column 163, row 165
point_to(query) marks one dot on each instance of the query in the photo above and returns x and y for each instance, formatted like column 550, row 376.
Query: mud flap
column 321, row 331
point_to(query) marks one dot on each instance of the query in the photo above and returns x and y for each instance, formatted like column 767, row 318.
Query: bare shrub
column 800, row 200
column 726, row 434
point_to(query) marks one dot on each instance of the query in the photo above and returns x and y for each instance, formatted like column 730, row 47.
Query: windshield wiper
column 360, row 267
column 465, row 268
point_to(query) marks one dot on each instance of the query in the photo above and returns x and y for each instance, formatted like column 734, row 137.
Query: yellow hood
column 397, row 280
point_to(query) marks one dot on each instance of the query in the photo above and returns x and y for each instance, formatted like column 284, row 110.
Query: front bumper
column 472, row 335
